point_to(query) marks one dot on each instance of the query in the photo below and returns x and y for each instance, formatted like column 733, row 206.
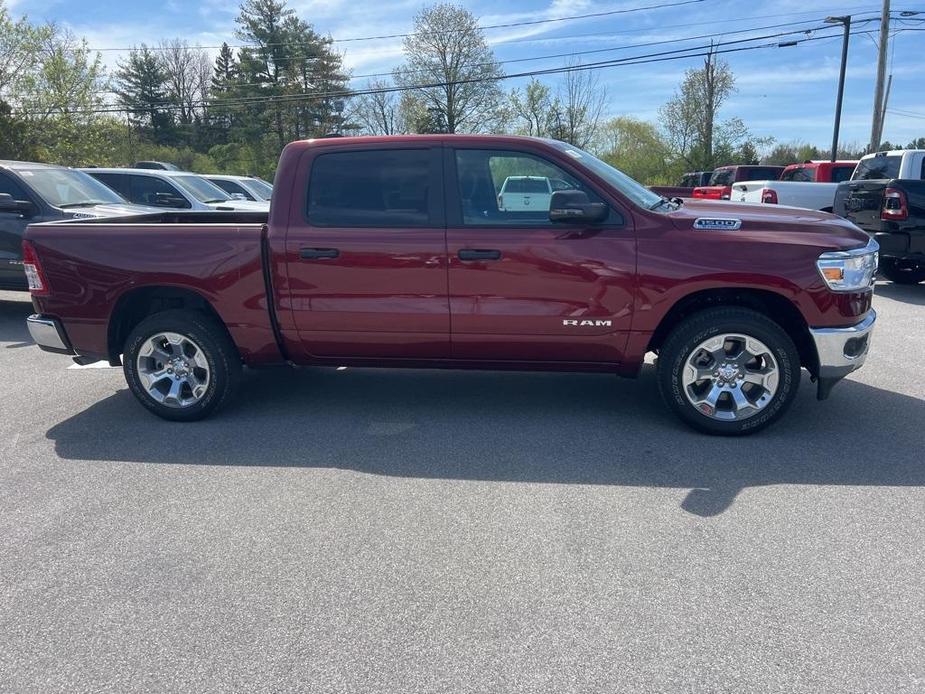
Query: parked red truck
column 394, row 251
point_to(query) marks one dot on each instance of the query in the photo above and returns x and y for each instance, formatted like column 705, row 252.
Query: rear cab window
column 722, row 177
column 878, row 168
column 757, row 173
column 800, row 173
column 382, row 188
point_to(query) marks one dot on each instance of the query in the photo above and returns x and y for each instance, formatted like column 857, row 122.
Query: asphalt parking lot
column 378, row 531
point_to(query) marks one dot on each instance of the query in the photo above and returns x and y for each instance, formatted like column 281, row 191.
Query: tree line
column 235, row 111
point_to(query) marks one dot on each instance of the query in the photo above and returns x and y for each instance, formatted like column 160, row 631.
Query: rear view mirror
column 574, row 206
column 10, row 204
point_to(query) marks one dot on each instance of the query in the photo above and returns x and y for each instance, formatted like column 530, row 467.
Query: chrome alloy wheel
column 173, row 369
column 730, row 377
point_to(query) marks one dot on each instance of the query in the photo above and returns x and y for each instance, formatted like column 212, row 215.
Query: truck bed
column 96, row 264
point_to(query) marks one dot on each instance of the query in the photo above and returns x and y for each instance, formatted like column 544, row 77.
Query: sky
column 784, row 92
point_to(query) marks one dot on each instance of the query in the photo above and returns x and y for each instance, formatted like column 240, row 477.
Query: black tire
column 221, row 356
column 902, row 276
column 696, row 329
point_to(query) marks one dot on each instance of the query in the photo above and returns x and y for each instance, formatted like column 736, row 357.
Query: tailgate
column 749, row 191
column 860, row 202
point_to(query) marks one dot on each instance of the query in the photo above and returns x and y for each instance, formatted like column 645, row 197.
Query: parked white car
column 810, row 185
column 178, row 190
column 249, row 187
column 525, row 194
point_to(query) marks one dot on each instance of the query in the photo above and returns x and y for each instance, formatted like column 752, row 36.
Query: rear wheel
column 728, row 371
column 181, row 365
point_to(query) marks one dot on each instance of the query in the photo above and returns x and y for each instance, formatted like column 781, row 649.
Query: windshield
column 877, row 167
column 201, row 189
column 69, row 188
column 635, row 191
column 260, row 188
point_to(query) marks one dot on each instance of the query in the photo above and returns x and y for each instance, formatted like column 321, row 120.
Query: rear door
column 523, row 288
column 366, row 253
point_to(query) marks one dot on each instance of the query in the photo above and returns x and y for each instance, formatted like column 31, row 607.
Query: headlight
column 849, row 271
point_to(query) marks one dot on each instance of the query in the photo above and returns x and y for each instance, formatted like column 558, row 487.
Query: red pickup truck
column 395, row 251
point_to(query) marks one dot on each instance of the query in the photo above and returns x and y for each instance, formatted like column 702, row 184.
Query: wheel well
column 776, row 307
column 136, row 305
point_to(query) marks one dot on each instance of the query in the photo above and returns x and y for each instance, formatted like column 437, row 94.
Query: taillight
column 34, row 274
column 769, row 196
column 726, row 193
column 895, row 206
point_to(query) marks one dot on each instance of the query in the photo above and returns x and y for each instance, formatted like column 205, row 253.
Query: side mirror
column 10, row 204
column 574, row 207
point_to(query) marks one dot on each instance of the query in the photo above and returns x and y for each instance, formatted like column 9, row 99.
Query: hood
column 109, row 210
column 761, row 219
column 241, row 206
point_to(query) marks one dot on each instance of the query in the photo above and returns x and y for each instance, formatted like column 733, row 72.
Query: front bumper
column 49, row 334
column 841, row 351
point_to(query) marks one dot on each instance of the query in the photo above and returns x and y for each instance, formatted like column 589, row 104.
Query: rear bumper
column 49, row 334
column 841, row 351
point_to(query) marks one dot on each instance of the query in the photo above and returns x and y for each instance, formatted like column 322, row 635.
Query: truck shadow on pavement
column 515, row 427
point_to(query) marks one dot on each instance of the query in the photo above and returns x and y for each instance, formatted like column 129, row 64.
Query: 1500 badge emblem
column 717, row 224
column 588, row 323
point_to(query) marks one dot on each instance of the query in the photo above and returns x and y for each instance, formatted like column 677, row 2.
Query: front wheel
column 728, row 371
column 181, row 365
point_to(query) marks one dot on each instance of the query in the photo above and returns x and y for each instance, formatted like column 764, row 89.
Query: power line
column 678, row 54
column 507, row 25
column 565, row 55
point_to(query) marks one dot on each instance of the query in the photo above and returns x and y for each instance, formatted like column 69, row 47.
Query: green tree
column 141, row 85
column 452, row 72
column 638, row 149
column 533, row 109
column 689, row 118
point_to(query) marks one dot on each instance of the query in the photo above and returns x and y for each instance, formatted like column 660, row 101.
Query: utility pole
column 841, row 79
column 886, row 101
column 881, row 76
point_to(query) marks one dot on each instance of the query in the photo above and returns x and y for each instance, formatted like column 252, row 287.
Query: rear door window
column 385, row 188
column 876, row 168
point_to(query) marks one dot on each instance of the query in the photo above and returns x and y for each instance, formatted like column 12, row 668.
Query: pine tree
column 143, row 90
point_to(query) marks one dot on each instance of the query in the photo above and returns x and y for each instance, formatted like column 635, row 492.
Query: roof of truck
column 14, row 165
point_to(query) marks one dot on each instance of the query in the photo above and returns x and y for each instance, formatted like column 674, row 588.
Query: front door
column 521, row 287
column 366, row 254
